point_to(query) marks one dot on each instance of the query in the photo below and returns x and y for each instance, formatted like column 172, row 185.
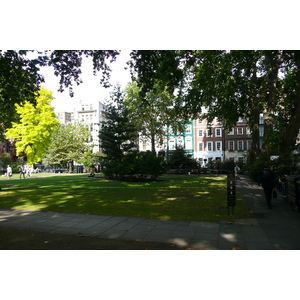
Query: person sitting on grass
column 92, row 173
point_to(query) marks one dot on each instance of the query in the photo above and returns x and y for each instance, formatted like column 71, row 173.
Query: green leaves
column 32, row 133
column 68, row 144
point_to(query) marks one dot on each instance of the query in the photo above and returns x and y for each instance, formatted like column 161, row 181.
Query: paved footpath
column 278, row 228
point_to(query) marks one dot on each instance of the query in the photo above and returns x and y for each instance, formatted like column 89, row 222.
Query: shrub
column 136, row 165
column 180, row 160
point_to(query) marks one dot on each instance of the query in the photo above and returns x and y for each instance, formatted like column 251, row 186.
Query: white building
column 90, row 113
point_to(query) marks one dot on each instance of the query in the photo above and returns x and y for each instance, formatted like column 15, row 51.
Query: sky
column 90, row 90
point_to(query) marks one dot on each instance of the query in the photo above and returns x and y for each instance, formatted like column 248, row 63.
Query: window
column 144, row 144
column 261, row 119
column 231, row 131
column 231, row 145
column 240, row 145
column 209, row 132
column 200, row 133
column 240, row 130
column 248, row 130
column 188, row 129
column 209, row 146
column 249, row 145
column 218, row 132
column 180, row 142
column 200, row 148
column 218, row 146
column 188, row 143
column 172, row 144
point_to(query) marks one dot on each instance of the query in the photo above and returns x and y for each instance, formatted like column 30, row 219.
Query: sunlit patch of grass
column 196, row 198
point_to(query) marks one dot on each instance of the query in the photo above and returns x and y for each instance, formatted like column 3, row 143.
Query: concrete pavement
column 278, row 228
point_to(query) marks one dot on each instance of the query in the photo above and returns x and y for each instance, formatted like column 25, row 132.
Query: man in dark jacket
column 267, row 180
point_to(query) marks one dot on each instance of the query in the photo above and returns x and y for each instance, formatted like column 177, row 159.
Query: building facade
column 184, row 141
column 65, row 117
column 88, row 113
column 209, row 141
column 91, row 114
column 238, row 141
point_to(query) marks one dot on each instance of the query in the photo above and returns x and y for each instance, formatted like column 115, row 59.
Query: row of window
column 217, row 121
column 217, row 132
column 187, row 143
column 231, row 146
column 204, row 161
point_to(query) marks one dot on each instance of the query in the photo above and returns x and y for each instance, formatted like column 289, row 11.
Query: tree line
column 230, row 84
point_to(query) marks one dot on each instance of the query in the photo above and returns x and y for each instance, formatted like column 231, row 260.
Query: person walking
column 9, row 172
column 236, row 171
column 266, row 179
column 22, row 171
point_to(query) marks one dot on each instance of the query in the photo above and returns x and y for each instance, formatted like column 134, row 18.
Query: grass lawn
column 177, row 197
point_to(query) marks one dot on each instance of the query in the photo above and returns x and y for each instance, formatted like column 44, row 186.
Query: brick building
column 213, row 143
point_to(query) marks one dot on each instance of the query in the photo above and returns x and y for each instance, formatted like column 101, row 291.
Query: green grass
column 177, row 197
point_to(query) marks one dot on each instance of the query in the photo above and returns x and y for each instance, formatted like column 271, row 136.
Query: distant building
column 238, row 141
column 91, row 114
column 65, row 117
column 209, row 141
column 184, row 141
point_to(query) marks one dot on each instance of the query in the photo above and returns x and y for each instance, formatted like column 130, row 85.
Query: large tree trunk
column 153, row 144
column 255, row 149
column 290, row 132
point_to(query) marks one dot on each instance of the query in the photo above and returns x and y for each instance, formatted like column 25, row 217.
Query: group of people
column 24, row 170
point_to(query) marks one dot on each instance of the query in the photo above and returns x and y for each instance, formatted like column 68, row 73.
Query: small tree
column 181, row 161
column 118, row 134
column 142, row 165
column 32, row 133
column 68, row 144
column 89, row 160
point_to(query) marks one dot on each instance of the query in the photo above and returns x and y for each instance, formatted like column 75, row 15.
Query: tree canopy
column 231, row 84
column 20, row 77
column 118, row 133
column 19, row 81
column 68, row 143
column 152, row 112
column 32, row 133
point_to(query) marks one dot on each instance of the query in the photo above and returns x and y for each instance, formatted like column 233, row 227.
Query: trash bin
column 292, row 189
